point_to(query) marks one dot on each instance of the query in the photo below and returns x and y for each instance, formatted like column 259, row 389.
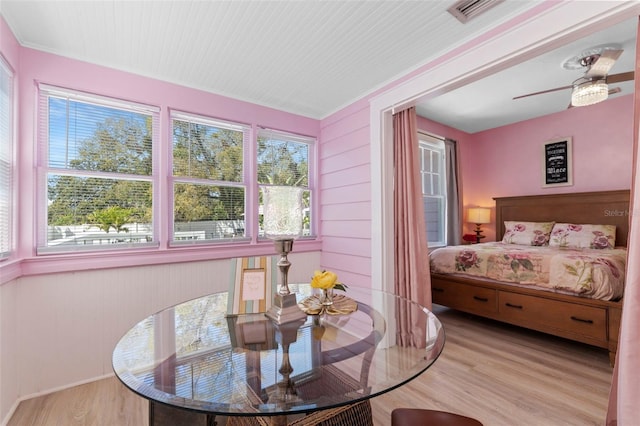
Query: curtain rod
column 431, row 135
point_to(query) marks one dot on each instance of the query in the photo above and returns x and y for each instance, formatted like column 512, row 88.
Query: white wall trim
column 565, row 22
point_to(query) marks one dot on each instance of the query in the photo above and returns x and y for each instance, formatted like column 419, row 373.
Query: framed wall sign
column 557, row 163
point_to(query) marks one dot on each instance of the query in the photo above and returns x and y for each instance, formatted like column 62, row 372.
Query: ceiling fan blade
column 619, row 78
column 603, row 64
column 543, row 91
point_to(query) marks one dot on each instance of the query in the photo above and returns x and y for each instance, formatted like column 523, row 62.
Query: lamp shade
column 282, row 212
column 479, row 215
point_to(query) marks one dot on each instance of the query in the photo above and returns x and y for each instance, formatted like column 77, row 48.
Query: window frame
column 8, row 140
column 435, row 144
column 162, row 181
column 245, row 182
column 44, row 93
column 312, row 144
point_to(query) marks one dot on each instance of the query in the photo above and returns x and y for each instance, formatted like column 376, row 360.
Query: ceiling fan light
column 589, row 93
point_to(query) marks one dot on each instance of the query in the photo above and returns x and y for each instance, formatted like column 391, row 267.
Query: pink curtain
column 412, row 278
column 625, row 388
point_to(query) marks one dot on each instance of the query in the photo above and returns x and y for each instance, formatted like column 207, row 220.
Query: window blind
column 209, row 184
column 6, row 159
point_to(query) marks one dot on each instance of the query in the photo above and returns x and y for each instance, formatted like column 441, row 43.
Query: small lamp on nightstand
column 479, row 215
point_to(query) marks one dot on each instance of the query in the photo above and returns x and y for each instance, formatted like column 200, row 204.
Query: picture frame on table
column 251, row 286
column 557, row 166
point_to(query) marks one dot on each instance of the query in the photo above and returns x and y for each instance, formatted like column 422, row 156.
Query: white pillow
column 572, row 235
column 527, row 233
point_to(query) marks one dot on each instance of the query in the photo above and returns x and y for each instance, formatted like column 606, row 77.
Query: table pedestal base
column 164, row 415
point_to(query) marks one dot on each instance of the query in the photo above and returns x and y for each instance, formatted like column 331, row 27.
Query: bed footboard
column 594, row 322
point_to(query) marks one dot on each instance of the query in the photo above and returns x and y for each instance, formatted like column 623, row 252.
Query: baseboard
column 12, row 410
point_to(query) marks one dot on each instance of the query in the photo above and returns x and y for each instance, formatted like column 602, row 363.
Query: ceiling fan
column 593, row 87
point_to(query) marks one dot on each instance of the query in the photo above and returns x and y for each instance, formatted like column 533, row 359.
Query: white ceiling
column 488, row 103
column 307, row 57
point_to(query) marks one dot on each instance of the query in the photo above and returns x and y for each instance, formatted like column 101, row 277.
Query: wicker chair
column 350, row 415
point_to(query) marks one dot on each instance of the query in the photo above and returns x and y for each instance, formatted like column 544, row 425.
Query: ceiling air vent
column 464, row 10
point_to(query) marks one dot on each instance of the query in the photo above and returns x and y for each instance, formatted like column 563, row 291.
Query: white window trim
column 162, row 181
column 312, row 171
column 437, row 143
column 246, row 183
column 43, row 170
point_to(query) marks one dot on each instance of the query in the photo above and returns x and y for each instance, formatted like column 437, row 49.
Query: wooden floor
column 498, row 374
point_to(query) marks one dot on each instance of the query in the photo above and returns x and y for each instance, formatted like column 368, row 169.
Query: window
column 108, row 181
column 96, row 156
column 432, row 158
column 209, row 183
column 284, row 159
column 6, row 160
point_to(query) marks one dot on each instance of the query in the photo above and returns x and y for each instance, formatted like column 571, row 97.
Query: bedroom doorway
column 565, row 23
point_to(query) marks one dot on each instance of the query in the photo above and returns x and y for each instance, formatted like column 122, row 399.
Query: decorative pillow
column 527, row 233
column 583, row 236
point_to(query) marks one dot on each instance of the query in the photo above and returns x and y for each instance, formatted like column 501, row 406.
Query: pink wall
column 439, row 129
column 501, row 162
column 8, row 44
column 507, row 161
column 9, row 357
column 345, row 182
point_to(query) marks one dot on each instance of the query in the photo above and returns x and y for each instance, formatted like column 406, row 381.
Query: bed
column 502, row 285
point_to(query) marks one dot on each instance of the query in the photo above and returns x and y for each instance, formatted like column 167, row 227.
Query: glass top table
column 194, row 357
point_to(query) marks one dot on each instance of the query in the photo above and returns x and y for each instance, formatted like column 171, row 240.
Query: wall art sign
column 557, row 163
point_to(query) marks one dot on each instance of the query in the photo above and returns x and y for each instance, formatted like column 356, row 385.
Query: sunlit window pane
column 209, row 189
column 283, row 159
column 91, row 211
column 207, row 151
column 99, row 158
column 205, row 212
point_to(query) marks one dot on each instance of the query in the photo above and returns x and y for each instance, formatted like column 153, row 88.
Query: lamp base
column 478, row 232
column 285, row 309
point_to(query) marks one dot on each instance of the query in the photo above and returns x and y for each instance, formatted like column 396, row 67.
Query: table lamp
column 282, row 223
column 479, row 215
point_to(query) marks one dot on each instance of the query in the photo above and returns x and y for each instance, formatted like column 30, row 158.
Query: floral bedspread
column 594, row 273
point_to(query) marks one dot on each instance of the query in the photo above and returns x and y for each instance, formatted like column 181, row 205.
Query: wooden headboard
column 606, row 208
